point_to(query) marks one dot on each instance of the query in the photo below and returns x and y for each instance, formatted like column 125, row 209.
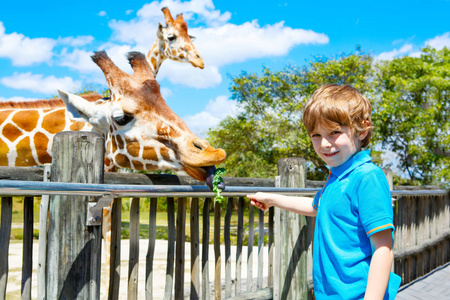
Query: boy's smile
column 336, row 146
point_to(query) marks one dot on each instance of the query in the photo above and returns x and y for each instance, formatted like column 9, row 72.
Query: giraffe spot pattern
column 123, row 161
column 138, row 165
column 11, row 132
column 77, row 126
column 41, row 143
column 165, row 154
column 149, row 153
column 26, row 119
column 52, row 121
column 133, row 149
column 4, row 114
column 149, row 167
column 24, row 154
column 113, row 144
column 153, row 62
column 3, row 150
column 120, row 143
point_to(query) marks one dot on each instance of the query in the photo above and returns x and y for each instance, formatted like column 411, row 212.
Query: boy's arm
column 300, row 205
column 380, row 265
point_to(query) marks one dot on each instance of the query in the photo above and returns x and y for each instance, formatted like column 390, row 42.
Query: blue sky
column 45, row 45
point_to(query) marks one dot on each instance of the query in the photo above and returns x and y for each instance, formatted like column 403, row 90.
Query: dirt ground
column 160, row 259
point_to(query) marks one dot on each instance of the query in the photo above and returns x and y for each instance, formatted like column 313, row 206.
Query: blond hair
column 339, row 105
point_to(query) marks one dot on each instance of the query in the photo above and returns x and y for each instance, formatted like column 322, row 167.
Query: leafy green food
column 218, row 179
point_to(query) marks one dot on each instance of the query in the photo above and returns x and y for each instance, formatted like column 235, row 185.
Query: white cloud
column 215, row 111
column 118, row 54
column 187, row 75
column 232, row 43
column 220, row 45
column 439, row 41
column 78, row 41
column 16, row 99
column 204, row 9
column 166, row 92
column 79, row 60
column 24, row 51
column 415, row 54
column 136, row 31
column 396, row 52
column 102, row 13
column 40, row 84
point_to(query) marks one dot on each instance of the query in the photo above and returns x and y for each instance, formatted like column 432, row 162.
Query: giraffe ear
column 82, row 110
column 159, row 32
column 192, row 38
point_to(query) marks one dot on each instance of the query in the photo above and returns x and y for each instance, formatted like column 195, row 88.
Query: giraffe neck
column 27, row 130
column 156, row 56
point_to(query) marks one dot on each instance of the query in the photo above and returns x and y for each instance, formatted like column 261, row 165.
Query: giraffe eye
column 171, row 37
column 123, row 119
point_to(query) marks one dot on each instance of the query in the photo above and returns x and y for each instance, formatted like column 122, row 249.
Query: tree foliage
column 409, row 95
column 412, row 113
column 270, row 123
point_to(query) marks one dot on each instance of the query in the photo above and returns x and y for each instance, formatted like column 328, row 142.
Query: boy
column 353, row 239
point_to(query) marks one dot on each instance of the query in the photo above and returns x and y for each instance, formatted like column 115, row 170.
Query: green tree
column 270, row 124
column 412, row 113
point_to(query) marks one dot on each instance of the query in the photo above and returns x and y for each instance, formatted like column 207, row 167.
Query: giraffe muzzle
column 210, row 171
column 196, row 59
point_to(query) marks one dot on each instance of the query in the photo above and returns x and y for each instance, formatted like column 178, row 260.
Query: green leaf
column 218, row 179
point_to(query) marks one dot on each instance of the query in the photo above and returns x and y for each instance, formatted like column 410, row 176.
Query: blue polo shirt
column 354, row 204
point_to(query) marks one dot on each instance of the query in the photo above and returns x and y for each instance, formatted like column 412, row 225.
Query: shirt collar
column 352, row 163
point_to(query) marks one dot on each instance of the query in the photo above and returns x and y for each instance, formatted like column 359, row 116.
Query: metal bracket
column 95, row 210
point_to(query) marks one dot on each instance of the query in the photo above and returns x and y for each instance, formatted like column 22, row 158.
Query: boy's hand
column 260, row 200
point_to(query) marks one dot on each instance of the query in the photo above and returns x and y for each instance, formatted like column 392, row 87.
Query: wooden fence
column 422, row 235
column 283, row 268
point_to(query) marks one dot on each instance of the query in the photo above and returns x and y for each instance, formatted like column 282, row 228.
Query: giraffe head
column 141, row 131
column 175, row 43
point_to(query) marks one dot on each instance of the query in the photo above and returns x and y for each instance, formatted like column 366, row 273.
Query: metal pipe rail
column 36, row 188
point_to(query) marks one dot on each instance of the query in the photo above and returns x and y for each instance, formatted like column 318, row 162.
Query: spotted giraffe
column 27, row 129
column 141, row 131
column 173, row 42
column 25, row 143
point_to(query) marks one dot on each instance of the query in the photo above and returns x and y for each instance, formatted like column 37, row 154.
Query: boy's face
column 336, row 146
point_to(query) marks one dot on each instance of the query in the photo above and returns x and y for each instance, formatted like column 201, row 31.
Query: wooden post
column 74, row 250
column 5, row 233
column 27, row 248
column 42, row 259
column 389, row 176
column 133, row 262
column 291, row 233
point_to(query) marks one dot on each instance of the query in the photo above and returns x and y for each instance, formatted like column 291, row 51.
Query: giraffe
column 27, row 129
column 141, row 131
column 173, row 42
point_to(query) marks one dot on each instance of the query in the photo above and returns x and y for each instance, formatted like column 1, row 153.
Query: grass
column 161, row 222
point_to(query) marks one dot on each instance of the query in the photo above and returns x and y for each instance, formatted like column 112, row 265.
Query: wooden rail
column 422, row 235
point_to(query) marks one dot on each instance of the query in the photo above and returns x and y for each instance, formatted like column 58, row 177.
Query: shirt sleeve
column 315, row 202
column 374, row 202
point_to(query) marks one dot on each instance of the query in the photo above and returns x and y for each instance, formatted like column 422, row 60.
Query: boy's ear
column 363, row 134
